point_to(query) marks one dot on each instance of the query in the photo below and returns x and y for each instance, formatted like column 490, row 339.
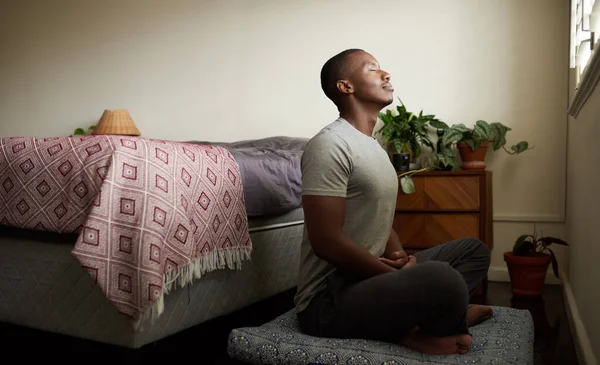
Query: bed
column 52, row 279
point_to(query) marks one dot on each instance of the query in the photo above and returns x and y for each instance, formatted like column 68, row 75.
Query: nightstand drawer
column 424, row 230
column 459, row 193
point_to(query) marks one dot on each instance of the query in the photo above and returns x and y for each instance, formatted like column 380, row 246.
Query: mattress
column 42, row 286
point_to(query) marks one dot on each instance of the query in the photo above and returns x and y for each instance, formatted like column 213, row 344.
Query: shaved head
column 335, row 69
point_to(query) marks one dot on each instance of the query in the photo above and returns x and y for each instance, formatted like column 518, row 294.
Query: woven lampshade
column 117, row 121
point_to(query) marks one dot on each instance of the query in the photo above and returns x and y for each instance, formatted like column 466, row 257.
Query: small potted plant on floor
column 528, row 263
column 472, row 143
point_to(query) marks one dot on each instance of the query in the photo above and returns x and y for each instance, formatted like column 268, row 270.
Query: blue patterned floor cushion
column 506, row 338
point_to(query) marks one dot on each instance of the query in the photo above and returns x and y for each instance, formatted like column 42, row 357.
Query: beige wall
column 583, row 212
column 238, row 69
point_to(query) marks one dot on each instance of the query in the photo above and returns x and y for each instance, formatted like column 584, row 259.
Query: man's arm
column 395, row 256
column 393, row 245
column 324, row 220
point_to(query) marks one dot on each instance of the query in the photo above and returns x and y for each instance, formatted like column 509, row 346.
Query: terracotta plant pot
column 472, row 160
column 527, row 273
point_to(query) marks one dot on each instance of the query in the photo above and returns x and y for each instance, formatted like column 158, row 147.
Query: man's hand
column 399, row 260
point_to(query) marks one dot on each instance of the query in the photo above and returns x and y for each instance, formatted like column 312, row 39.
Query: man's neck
column 361, row 119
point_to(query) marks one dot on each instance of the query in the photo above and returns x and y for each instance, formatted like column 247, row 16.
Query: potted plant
column 472, row 143
column 406, row 132
column 528, row 263
column 443, row 157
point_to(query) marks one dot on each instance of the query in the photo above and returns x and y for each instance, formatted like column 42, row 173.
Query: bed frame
column 43, row 287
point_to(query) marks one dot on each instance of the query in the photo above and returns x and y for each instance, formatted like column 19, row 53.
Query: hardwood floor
column 553, row 338
column 207, row 343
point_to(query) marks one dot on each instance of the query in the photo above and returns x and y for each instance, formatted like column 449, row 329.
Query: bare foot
column 417, row 341
column 478, row 313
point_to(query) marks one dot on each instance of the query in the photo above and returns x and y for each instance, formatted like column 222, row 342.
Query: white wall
column 239, row 69
column 583, row 212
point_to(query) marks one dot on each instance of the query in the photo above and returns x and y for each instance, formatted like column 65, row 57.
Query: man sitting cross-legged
column 355, row 280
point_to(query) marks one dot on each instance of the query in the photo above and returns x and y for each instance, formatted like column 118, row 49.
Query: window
column 585, row 29
column 585, row 56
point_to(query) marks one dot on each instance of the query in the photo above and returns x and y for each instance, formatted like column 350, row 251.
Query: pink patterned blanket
column 151, row 214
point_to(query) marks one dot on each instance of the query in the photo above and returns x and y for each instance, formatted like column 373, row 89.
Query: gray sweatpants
column 433, row 295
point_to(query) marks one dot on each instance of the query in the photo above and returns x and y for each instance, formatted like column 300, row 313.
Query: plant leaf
column 451, row 136
column 408, row 187
column 520, row 247
column 525, row 249
column 471, row 144
column 448, row 161
column 520, row 147
column 499, row 129
column 461, row 128
column 438, row 124
column 398, row 145
column 549, row 240
column 474, row 143
column 417, row 149
column 446, row 151
column 554, row 263
column 498, row 135
column 498, row 143
column 79, row 132
column 483, row 130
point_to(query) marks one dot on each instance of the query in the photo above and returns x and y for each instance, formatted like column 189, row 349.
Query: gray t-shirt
column 341, row 161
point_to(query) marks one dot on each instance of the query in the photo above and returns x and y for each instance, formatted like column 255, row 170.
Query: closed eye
column 373, row 66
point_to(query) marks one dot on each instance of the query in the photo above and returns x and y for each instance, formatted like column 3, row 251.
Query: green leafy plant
column 531, row 245
column 443, row 157
column 406, row 131
column 481, row 132
column 83, row 132
column 443, row 160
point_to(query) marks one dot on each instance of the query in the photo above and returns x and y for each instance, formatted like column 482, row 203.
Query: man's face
column 370, row 83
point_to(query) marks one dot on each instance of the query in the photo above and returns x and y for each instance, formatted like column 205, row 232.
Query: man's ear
column 345, row 86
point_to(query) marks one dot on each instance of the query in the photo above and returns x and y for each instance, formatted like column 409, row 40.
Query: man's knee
column 476, row 248
column 443, row 280
column 481, row 249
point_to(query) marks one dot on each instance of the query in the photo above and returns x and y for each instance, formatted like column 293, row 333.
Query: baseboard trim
column 583, row 347
column 507, row 217
column 498, row 273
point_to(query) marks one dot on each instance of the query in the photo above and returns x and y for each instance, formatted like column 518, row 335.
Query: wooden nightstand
column 445, row 206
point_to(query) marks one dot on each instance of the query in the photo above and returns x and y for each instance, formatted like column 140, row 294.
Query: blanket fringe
column 231, row 258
